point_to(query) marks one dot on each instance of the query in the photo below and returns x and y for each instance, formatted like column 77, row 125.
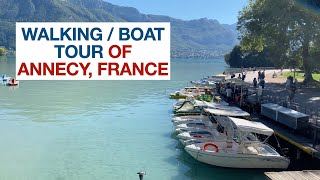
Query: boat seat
column 251, row 150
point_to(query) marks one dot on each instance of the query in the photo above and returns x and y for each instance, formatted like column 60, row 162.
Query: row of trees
column 287, row 32
column 238, row 58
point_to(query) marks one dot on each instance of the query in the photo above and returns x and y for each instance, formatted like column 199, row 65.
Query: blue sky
column 225, row 11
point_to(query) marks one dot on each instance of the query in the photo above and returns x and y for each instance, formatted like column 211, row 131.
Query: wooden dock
column 301, row 142
column 293, row 175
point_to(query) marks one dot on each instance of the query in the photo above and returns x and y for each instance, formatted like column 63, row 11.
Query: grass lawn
column 299, row 76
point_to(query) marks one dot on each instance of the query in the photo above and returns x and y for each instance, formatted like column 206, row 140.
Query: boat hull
column 240, row 161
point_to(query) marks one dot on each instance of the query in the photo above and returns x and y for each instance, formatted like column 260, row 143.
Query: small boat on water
column 241, row 149
column 201, row 136
column 188, row 92
column 193, row 126
column 178, row 103
column 214, row 130
column 195, row 102
column 5, row 78
column 209, row 81
column 12, row 82
column 228, row 112
column 206, row 113
column 195, row 107
column 189, row 119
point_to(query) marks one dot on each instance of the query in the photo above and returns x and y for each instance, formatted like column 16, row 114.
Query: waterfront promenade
column 306, row 100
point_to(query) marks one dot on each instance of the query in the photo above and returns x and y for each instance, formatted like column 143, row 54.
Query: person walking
column 263, row 74
column 255, row 82
column 262, row 83
column 243, row 76
column 229, row 93
column 288, row 85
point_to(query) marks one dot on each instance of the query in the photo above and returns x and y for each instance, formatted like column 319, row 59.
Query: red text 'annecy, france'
column 93, row 51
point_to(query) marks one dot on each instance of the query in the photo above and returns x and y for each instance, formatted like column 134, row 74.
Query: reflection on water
column 99, row 129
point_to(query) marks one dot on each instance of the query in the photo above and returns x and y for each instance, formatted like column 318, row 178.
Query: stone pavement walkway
column 306, row 100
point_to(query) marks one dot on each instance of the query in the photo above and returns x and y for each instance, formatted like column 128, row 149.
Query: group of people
column 241, row 75
column 230, row 91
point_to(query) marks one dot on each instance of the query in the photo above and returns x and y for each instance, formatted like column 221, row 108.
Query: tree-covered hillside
column 195, row 38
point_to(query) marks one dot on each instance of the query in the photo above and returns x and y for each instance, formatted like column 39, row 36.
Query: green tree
column 234, row 58
column 289, row 29
column 3, row 51
column 239, row 58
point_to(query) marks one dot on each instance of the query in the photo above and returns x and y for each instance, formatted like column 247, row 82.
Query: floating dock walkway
column 293, row 175
column 301, row 142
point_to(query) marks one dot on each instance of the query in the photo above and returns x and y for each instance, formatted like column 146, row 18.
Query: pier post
column 315, row 135
column 298, row 153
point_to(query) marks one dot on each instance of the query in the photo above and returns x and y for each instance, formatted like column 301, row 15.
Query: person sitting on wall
column 274, row 75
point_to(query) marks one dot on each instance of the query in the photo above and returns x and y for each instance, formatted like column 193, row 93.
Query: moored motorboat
column 195, row 107
column 242, row 149
column 201, row 135
column 13, row 82
column 194, row 126
column 217, row 112
column 189, row 119
column 5, row 78
column 259, row 156
column 188, row 92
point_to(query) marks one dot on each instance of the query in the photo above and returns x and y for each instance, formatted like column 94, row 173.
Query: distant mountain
column 196, row 38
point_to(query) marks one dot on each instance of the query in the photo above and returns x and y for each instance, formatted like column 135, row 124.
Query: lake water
column 65, row 130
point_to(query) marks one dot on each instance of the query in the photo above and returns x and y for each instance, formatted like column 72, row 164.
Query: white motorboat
column 188, row 92
column 242, row 149
column 221, row 111
column 178, row 103
column 201, row 136
column 12, row 82
column 231, row 112
column 5, row 78
column 193, row 126
column 209, row 81
column 189, row 119
column 195, row 107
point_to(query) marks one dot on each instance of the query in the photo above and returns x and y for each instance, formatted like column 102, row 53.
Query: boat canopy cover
column 199, row 103
column 232, row 111
column 251, row 126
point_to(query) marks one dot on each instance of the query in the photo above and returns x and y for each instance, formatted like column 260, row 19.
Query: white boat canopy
column 234, row 112
column 251, row 126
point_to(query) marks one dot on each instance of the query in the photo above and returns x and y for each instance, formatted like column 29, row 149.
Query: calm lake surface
column 85, row 130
